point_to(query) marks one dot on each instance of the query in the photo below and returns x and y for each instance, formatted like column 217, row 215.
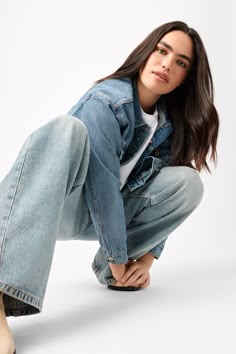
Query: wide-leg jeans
column 42, row 200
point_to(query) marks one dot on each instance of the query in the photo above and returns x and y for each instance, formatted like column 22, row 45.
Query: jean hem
column 97, row 271
column 18, row 302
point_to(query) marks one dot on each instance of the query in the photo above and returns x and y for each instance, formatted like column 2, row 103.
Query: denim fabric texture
column 112, row 115
column 36, row 208
column 64, row 185
column 152, row 212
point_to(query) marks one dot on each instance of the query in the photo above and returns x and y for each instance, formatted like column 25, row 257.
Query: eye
column 161, row 50
column 181, row 63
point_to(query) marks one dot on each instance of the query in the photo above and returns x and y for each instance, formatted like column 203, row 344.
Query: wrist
column 148, row 259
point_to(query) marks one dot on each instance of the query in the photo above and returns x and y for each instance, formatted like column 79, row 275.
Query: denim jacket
column 112, row 114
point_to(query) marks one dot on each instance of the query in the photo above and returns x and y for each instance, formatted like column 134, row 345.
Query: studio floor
column 189, row 308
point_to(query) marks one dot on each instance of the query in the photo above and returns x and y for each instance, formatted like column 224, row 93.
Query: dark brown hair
column 190, row 106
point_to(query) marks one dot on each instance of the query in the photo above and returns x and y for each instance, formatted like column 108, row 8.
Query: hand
column 137, row 274
column 118, row 270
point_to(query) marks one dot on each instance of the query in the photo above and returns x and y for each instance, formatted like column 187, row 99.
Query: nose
column 166, row 63
column 164, row 66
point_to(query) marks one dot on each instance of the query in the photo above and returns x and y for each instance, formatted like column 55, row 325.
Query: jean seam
column 19, row 171
column 22, row 291
column 23, row 296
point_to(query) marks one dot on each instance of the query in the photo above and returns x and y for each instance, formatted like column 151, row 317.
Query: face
column 168, row 66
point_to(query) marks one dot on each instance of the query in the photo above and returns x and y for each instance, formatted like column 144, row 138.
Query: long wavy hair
column 190, row 106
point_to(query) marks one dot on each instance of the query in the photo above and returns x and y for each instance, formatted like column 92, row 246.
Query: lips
column 162, row 75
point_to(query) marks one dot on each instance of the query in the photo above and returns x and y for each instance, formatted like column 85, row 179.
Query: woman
column 121, row 167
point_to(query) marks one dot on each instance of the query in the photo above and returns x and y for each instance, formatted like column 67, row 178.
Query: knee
column 64, row 131
column 191, row 187
column 69, row 125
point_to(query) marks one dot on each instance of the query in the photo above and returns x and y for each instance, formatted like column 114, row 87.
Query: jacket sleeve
column 157, row 251
column 102, row 184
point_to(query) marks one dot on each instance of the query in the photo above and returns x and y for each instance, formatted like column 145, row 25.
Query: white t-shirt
column 125, row 170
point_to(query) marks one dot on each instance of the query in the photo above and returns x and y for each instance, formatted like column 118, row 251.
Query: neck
column 147, row 98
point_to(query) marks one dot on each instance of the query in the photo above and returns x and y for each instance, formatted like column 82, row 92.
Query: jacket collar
column 161, row 108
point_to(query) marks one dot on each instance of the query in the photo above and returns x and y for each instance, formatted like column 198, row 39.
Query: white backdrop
column 51, row 52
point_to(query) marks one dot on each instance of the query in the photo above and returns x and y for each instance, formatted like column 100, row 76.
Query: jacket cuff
column 156, row 251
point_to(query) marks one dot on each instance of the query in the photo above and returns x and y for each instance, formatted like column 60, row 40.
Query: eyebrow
column 172, row 50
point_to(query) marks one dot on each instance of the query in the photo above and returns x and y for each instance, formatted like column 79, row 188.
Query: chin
column 158, row 93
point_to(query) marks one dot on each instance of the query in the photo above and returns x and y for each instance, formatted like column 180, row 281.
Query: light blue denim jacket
column 111, row 112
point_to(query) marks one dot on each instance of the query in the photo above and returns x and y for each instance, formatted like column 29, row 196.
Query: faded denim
column 35, row 197
column 153, row 212
column 111, row 112
column 46, row 196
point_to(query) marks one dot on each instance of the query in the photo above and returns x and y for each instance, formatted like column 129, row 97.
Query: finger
column 142, row 281
column 132, row 279
column 131, row 270
column 137, row 278
column 146, row 283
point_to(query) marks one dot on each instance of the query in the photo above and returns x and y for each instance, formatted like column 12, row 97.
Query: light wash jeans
column 42, row 200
